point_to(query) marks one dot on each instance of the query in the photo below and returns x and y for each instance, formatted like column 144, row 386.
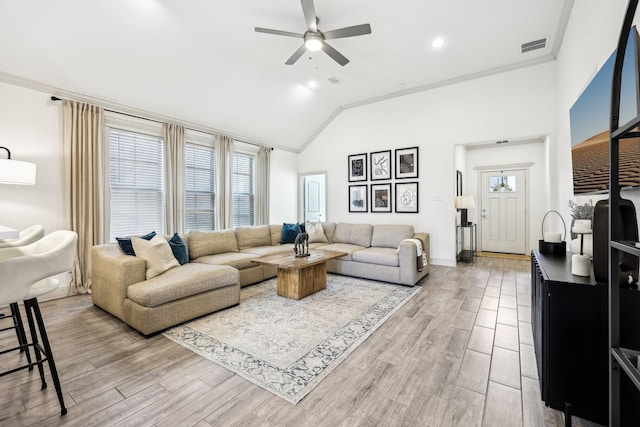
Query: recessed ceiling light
column 437, row 43
column 312, row 84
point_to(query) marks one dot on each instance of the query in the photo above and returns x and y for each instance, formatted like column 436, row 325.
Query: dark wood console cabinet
column 569, row 319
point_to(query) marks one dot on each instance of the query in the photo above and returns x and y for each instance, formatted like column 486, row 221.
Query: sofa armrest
column 407, row 255
column 111, row 274
column 424, row 237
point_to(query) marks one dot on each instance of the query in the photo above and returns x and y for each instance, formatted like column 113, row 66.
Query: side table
column 462, row 253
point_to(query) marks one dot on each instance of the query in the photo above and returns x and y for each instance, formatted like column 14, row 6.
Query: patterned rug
column 287, row 346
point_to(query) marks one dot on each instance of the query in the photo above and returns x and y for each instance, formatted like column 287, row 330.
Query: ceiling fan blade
column 334, row 54
column 278, row 32
column 296, row 55
column 310, row 15
column 356, row 30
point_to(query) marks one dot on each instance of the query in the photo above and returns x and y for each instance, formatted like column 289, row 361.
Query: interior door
column 314, row 198
column 503, row 211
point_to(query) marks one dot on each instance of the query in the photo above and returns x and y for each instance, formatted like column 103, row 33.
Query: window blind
column 243, row 189
column 200, row 187
column 136, row 183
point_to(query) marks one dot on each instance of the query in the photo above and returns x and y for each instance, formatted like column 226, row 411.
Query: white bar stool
column 25, row 274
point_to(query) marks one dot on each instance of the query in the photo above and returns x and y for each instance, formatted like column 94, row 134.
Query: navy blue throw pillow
column 179, row 249
column 289, row 232
column 127, row 247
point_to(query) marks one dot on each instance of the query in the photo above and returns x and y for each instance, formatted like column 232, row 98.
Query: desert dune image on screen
column 590, row 121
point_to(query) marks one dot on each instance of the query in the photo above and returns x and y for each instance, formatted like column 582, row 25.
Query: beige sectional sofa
column 222, row 261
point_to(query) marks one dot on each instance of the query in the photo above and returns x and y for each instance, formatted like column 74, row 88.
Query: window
column 200, row 196
column 136, row 183
column 243, row 188
column 502, row 184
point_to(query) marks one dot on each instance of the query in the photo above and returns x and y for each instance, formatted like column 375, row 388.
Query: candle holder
column 581, row 263
column 553, row 243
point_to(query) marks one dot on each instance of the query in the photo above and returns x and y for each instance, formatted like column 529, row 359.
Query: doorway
column 503, row 211
column 314, row 198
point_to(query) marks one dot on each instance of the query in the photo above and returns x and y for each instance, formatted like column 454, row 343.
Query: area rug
column 287, row 346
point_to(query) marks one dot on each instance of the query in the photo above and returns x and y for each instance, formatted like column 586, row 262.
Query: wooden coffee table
column 301, row 277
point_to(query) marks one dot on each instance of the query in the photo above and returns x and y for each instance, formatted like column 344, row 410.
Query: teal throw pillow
column 126, row 246
column 289, row 232
column 179, row 249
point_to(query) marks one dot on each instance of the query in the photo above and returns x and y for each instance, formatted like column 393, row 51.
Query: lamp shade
column 465, row 202
column 17, row 172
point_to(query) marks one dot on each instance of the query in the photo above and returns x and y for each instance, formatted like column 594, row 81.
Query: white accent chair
column 25, row 237
column 25, row 274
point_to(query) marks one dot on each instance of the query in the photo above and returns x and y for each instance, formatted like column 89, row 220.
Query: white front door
column 314, row 198
column 503, row 198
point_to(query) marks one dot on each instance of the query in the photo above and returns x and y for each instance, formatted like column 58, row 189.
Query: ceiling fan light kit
column 314, row 39
column 313, row 42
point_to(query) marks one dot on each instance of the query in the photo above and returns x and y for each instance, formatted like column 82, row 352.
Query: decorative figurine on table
column 301, row 245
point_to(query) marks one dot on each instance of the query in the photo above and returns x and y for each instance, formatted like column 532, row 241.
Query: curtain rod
column 55, row 98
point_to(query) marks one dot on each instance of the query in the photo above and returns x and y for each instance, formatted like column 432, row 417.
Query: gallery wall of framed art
column 380, row 166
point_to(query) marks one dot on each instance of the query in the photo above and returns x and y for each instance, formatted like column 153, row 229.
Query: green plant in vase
column 583, row 211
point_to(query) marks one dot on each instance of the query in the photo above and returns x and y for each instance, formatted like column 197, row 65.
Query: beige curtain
column 82, row 129
column 224, row 199
column 262, row 186
column 174, row 141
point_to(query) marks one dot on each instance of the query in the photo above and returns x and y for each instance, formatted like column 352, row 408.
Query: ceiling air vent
column 536, row 44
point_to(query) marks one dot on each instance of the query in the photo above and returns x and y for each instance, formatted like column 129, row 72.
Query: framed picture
column 407, row 163
column 458, row 183
column 380, row 165
column 407, row 197
column 358, row 167
column 358, row 201
column 380, row 197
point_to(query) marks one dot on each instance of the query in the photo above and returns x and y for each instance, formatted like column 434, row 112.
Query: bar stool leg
column 36, row 345
column 22, row 336
column 33, row 305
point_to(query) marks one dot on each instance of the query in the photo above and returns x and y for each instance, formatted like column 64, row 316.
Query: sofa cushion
column 261, row 251
column 181, row 282
column 203, row 243
column 290, row 232
column 315, row 230
column 237, row 260
column 249, row 237
column 355, row 234
column 276, row 233
column 157, row 254
column 342, row 247
column 124, row 243
column 329, row 230
column 390, row 236
column 376, row 255
column 179, row 249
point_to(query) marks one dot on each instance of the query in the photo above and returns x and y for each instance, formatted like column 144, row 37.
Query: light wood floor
column 459, row 354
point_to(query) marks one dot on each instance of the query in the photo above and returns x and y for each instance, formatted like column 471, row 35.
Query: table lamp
column 463, row 203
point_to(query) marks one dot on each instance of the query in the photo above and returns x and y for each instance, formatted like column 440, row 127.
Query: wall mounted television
column 589, row 121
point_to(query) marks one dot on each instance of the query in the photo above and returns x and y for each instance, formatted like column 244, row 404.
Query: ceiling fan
column 314, row 39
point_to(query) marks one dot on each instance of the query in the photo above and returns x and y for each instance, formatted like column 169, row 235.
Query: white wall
column 503, row 155
column 284, row 187
column 30, row 126
column 512, row 105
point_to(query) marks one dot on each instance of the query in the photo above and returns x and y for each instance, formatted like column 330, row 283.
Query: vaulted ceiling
column 201, row 62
